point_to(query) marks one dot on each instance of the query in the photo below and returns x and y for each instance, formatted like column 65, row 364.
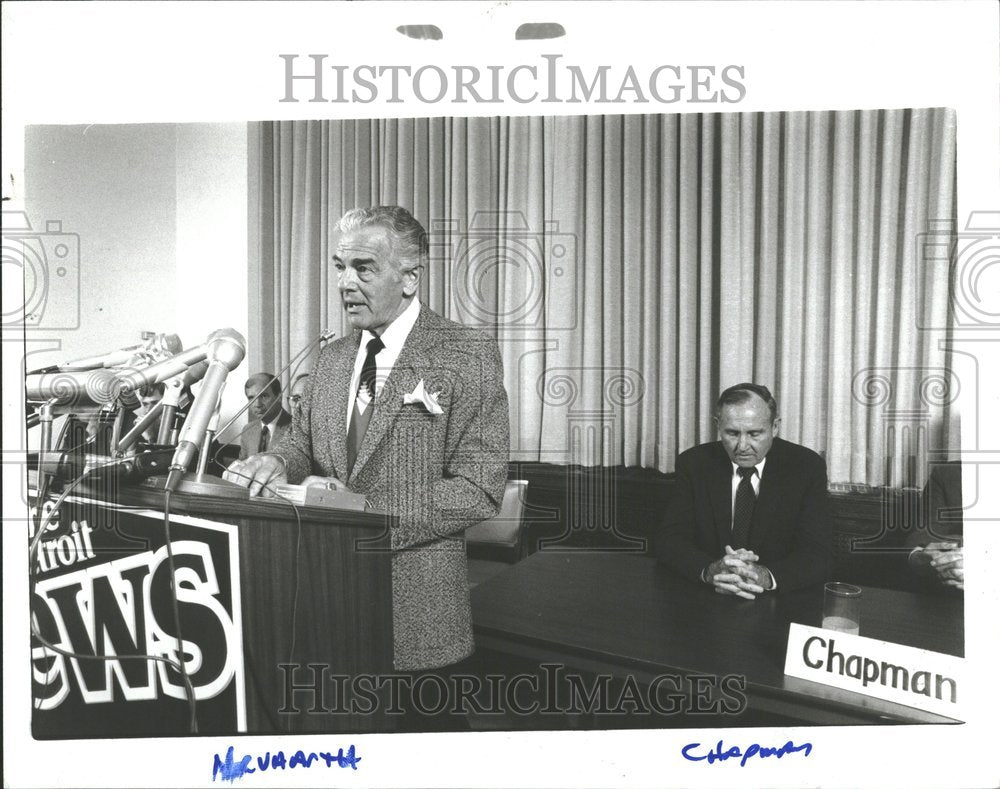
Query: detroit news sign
column 918, row 678
column 103, row 588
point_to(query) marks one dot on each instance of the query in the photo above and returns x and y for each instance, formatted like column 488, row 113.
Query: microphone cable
column 175, row 606
column 33, row 548
column 295, row 590
column 43, row 522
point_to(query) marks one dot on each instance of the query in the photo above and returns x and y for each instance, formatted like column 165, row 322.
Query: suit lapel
column 252, row 437
column 342, row 374
column 722, row 495
column 768, row 495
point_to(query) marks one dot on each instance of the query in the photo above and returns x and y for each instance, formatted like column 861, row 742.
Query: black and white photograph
column 453, row 405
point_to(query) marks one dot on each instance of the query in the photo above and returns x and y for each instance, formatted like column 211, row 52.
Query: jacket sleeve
column 810, row 559
column 476, row 452
column 676, row 543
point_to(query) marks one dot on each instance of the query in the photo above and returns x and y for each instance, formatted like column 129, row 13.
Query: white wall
column 211, row 241
column 161, row 215
column 113, row 186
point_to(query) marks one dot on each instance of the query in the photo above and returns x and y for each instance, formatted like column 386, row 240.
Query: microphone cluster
column 112, row 380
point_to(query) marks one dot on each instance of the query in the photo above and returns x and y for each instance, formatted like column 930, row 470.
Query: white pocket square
column 427, row 399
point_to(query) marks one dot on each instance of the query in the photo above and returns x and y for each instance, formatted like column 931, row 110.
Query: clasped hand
column 738, row 573
column 944, row 561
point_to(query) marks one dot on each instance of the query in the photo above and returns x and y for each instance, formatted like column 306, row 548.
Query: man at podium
column 409, row 409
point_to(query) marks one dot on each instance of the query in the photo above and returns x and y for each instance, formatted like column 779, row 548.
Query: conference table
column 628, row 616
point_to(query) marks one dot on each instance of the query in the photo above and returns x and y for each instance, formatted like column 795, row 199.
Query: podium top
column 208, row 506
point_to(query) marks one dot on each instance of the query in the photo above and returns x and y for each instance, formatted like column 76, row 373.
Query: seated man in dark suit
column 268, row 421
column 749, row 513
column 936, row 558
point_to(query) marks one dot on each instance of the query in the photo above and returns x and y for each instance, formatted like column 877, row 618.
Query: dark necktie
column 369, row 368
column 360, row 418
column 743, row 508
column 264, row 435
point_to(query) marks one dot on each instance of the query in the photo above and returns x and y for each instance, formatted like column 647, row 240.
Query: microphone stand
column 171, row 402
column 199, row 482
column 139, row 429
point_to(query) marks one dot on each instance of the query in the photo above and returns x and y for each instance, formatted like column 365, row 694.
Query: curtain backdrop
column 631, row 267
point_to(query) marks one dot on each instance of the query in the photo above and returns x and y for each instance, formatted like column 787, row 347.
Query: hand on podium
column 261, row 473
column 330, row 483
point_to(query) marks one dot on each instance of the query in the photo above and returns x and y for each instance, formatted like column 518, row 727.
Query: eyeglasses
column 293, row 399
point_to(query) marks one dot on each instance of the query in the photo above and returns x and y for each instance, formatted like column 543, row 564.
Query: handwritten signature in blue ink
column 720, row 755
column 231, row 768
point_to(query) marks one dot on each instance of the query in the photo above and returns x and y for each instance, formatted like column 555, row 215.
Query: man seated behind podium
column 149, row 397
column 269, row 421
column 409, row 409
column 749, row 513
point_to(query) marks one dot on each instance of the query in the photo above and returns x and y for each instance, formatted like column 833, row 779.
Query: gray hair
column 736, row 395
column 409, row 239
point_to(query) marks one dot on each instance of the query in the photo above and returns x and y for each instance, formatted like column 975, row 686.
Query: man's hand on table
column 942, row 560
column 738, row 573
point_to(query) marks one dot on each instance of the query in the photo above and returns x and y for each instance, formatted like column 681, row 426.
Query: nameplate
column 918, row 678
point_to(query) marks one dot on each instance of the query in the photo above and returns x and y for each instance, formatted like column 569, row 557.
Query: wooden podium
column 315, row 591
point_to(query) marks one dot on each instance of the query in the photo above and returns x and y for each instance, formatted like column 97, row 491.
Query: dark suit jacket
column 250, row 437
column 790, row 531
column 941, row 519
column 437, row 473
column 940, row 507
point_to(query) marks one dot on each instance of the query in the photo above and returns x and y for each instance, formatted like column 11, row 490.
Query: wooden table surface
column 626, row 614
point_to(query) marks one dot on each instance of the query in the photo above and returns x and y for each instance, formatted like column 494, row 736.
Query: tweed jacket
column 438, row 473
column 790, row 529
column 250, row 437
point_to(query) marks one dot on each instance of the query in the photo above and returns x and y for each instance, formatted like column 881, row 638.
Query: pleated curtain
column 631, row 267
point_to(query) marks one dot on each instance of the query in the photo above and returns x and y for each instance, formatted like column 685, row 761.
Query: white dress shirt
column 755, row 482
column 393, row 338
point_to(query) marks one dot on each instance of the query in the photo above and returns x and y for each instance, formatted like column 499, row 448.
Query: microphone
column 194, row 373
column 224, row 350
column 158, row 373
column 158, row 345
column 86, row 387
column 164, row 411
column 70, row 465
